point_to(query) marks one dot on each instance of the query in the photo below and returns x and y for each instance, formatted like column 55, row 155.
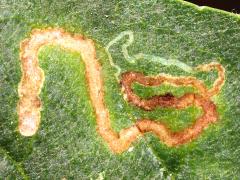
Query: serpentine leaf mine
column 29, row 105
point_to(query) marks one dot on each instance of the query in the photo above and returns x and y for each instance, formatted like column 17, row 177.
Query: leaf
column 10, row 169
column 67, row 144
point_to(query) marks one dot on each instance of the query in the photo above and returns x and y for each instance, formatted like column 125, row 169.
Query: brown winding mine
column 168, row 100
column 29, row 105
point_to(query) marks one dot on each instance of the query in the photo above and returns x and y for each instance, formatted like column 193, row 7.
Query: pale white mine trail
column 32, row 80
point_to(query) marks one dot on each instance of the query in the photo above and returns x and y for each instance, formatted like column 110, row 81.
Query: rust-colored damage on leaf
column 202, row 99
column 29, row 105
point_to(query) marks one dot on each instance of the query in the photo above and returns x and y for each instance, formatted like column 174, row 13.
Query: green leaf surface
column 10, row 169
column 67, row 144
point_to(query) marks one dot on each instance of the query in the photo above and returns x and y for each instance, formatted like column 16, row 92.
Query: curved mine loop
column 29, row 105
column 168, row 100
column 177, row 138
column 218, row 83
